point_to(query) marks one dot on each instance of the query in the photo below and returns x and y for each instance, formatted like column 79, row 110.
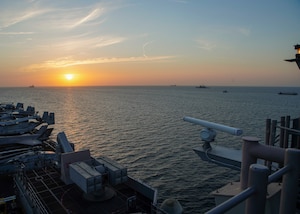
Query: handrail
column 255, row 194
column 232, row 202
column 289, row 129
column 34, row 198
column 278, row 174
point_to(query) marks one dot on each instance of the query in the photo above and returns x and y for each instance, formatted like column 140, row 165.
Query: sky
column 143, row 42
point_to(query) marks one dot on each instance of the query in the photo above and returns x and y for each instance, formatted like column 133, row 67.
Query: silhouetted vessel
column 201, row 86
column 288, row 93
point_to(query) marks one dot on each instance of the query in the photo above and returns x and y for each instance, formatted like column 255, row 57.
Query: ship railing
column 30, row 194
column 36, row 200
column 257, row 180
column 288, row 134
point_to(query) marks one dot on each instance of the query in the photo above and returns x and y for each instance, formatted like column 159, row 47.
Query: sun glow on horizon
column 69, row 76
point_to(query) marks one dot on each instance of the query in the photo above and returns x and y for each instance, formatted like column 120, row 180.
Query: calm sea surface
column 142, row 128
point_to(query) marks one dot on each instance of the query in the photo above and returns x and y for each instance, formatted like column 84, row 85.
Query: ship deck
column 48, row 192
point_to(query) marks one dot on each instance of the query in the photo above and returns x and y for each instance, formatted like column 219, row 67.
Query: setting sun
column 69, row 76
column 71, row 79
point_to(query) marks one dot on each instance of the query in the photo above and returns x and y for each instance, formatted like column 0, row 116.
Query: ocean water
column 142, row 128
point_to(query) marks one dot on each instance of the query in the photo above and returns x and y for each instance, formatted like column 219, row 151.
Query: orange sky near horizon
column 165, row 73
column 153, row 74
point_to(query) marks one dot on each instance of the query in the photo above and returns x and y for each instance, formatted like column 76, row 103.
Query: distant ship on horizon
column 201, row 86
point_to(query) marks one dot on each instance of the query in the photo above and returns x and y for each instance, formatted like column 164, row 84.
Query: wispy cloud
column 106, row 41
column 16, row 33
column 69, row 61
column 90, row 17
column 57, row 17
column 13, row 19
column 205, row 44
column 84, row 42
column 144, row 48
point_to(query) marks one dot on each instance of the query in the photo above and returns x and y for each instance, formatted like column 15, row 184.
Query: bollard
column 247, row 159
column 258, row 179
column 289, row 190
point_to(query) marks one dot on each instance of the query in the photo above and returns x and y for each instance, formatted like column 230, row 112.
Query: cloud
column 106, row 41
column 82, row 42
column 205, row 44
column 90, row 17
column 69, row 61
column 16, row 33
column 56, row 16
column 15, row 18
column 144, row 48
